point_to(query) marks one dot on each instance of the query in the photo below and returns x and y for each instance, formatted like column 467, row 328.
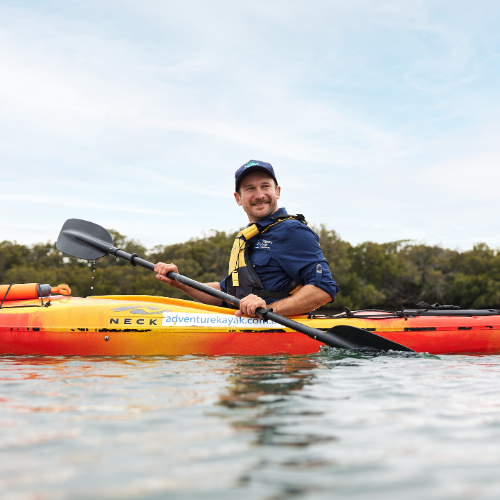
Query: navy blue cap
column 253, row 166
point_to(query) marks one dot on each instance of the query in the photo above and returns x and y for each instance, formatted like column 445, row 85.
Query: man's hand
column 161, row 270
column 249, row 304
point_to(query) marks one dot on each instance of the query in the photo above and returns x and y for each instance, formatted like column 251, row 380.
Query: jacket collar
column 269, row 220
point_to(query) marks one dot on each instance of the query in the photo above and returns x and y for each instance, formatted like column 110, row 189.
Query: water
column 300, row 427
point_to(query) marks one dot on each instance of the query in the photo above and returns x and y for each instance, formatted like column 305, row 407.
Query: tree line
column 370, row 275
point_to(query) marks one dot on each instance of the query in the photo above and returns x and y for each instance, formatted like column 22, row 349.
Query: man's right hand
column 161, row 270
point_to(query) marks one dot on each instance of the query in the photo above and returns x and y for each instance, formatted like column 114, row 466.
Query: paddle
column 86, row 240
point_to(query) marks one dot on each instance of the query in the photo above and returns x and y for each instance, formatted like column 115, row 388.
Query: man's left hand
column 249, row 304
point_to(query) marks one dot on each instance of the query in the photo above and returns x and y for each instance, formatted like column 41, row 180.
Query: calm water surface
column 324, row 426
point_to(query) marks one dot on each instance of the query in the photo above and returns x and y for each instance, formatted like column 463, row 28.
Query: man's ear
column 278, row 192
column 237, row 197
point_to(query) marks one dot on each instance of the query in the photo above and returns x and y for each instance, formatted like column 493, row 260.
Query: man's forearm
column 308, row 298
column 200, row 296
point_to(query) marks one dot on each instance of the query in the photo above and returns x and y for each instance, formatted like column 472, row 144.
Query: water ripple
column 336, row 424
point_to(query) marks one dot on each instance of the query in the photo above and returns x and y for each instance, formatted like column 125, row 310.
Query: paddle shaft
column 326, row 338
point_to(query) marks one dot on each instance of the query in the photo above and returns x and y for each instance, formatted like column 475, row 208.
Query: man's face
column 258, row 196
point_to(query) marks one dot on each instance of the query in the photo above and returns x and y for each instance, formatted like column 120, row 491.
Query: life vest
column 242, row 279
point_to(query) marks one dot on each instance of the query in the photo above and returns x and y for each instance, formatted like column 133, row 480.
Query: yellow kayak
column 146, row 325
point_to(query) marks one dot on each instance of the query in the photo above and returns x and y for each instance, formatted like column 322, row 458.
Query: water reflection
column 113, row 427
column 257, row 381
column 260, row 395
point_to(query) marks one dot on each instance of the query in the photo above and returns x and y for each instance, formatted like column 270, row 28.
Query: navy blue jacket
column 289, row 252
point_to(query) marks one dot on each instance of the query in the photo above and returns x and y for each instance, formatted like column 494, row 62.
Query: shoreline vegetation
column 370, row 275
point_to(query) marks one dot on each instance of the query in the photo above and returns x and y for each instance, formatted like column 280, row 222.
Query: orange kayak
column 147, row 325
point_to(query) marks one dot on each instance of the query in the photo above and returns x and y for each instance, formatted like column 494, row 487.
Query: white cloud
column 146, row 109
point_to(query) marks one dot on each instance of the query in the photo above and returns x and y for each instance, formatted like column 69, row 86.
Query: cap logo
column 251, row 164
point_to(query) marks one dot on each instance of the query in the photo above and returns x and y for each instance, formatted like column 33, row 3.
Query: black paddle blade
column 69, row 243
column 365, row 340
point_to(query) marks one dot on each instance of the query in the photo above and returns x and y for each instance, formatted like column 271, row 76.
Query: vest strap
column 260, row 292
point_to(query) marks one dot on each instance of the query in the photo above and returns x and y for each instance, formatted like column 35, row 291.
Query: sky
column 379, row 117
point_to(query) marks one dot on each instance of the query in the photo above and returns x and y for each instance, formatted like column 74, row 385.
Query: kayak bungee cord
column 409, row 313
column 5, row 296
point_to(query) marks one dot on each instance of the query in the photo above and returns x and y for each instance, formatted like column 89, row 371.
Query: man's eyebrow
column 268, row 183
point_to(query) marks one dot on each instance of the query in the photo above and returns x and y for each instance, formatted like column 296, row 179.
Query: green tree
column 370, row 275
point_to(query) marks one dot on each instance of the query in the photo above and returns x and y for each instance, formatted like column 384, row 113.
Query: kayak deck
column 146, row 325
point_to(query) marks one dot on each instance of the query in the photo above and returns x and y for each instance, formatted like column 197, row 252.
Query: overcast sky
column 380, row 117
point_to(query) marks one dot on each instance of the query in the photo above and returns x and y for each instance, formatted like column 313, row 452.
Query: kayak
column 123, row 325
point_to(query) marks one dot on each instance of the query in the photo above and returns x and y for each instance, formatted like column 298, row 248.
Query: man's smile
column 260, row 203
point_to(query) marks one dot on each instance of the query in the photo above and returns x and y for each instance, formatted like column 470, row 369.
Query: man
column 276, row 260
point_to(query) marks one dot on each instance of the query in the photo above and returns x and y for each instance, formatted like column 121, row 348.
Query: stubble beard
column 272, row 208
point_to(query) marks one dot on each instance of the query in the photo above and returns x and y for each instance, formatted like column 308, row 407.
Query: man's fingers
column 164, row 269
column 163, row 278
column 255, row 304
column 249, row 304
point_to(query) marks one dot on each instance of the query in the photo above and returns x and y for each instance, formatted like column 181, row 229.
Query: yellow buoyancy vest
column 242, row 279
